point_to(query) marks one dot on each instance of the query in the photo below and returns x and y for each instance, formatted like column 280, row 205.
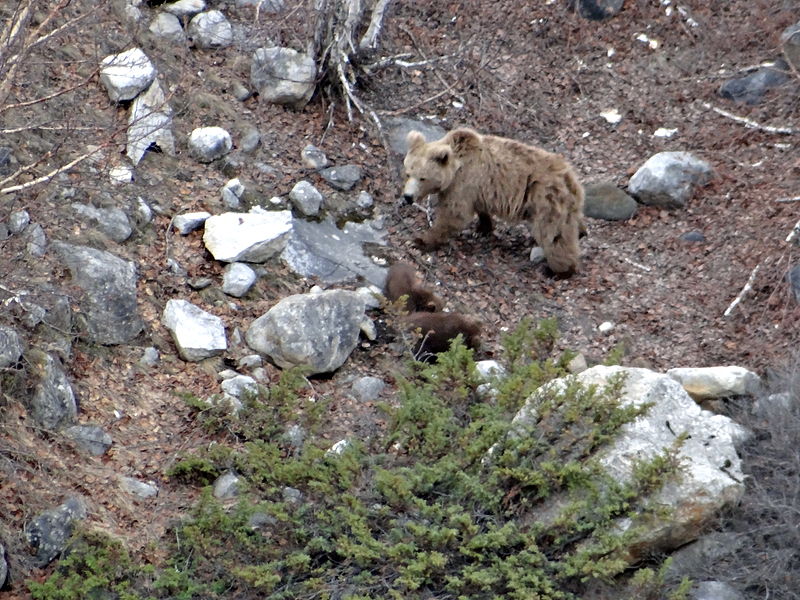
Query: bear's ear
column 441, row 155
column 415, row 139
column 464, row 140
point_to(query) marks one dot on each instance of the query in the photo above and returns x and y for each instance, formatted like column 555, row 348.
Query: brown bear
column 438, row 329
column 495, row 176
column 402, row 281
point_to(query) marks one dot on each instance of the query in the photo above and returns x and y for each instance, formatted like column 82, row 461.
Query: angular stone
column 109, row 283
column 150, row 124
column 127, row 74
column 197, row 334
column 89, row 438
column 342, row 178
column 306, row 198
column 11, row 347
column 283, row 76
column 237, row 279
column 607, row 201
column 210, row 29
column 716, row 382
column 318, row 331
column 52, row 404
column 207, row 144
column 186, row 223
column 49, row 533
column 250, row 237
column 669, row 179
column 334, row 255
column 750, row 88
column 167, row 27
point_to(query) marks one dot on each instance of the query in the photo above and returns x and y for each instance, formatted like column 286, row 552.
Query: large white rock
column 127, row 74
column 716, row 382
column 315, row 330
column 210, row 30
column 283, row 76
column 711, row 478
column 249, row 237
column 197, row 333
column 669, row 179
column 150, row 124
column 209, row 143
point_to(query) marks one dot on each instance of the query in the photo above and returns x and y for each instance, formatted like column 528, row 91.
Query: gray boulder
column 368, row 389
column 197, row 334
column 207, row 144
column 237, row 279
column 716, row 382
column 226, row 486
column 790, row 39
column 127, row 74
column 37, row 240
column 793, row 278
column 186, row 223
column 112, row 222
column 89, row 438
column 210, row 30
column 3, row 566
column 317, row 331
column 397, row 129
column 49, row 533
column 306, row 198
column 11, row 347
column 150, row 124
column 711, row 478
column 250, row 237
column 750, row 88
column 715, row 590
column 185, row 8
column 334, row 255
column 167, row 27
column 342, row 178
column 283, row 76
column 232, row 193
column 599, row 10
column 140, row 489
column 18, row 221
column 669, row 179
column 313, row 158
column 607, row 201
column 52, row 404
column 109, row 292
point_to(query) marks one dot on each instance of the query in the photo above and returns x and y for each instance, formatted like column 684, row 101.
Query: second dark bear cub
column 438, row 330
column 402, row 281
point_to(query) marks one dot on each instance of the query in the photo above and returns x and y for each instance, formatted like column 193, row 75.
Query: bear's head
column 429, row 167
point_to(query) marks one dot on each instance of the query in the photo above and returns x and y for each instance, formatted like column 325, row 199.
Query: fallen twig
column 795, row 199
column 750, row 123
column 747, row 287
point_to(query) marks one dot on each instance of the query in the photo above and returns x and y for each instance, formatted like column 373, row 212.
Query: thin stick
column 749, row 123
column 747, row 287
column 795, row 199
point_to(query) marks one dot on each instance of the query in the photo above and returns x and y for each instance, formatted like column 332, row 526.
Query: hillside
column 537, row 72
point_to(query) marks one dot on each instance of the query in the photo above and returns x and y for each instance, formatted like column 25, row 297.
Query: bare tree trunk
column 335, row 48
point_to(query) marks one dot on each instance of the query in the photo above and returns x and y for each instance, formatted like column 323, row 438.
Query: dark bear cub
column 402, row 281
column 438, row 329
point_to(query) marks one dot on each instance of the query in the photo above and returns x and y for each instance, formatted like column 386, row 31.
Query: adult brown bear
column 495, row 176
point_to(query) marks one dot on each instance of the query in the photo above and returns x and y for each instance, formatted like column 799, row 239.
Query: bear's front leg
column 449, row 220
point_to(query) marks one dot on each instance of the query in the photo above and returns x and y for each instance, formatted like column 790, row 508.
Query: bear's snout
column 408, row 198
column 410, row 190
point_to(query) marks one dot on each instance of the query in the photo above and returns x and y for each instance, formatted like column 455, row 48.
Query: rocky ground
column 540, row 74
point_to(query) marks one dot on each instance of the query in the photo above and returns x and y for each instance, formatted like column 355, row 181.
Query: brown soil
column 539, row 74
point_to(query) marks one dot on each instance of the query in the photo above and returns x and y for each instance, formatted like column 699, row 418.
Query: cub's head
column 429, row 167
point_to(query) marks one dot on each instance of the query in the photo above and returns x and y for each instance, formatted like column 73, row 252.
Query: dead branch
column 749, row 123
column 425, row 58
column 794, row 199
column 51, row 174
column 747, row 287
column 370, row 39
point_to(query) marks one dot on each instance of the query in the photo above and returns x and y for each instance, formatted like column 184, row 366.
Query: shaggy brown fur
column 402, row 281
column 494, row 176
column 438, row 329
